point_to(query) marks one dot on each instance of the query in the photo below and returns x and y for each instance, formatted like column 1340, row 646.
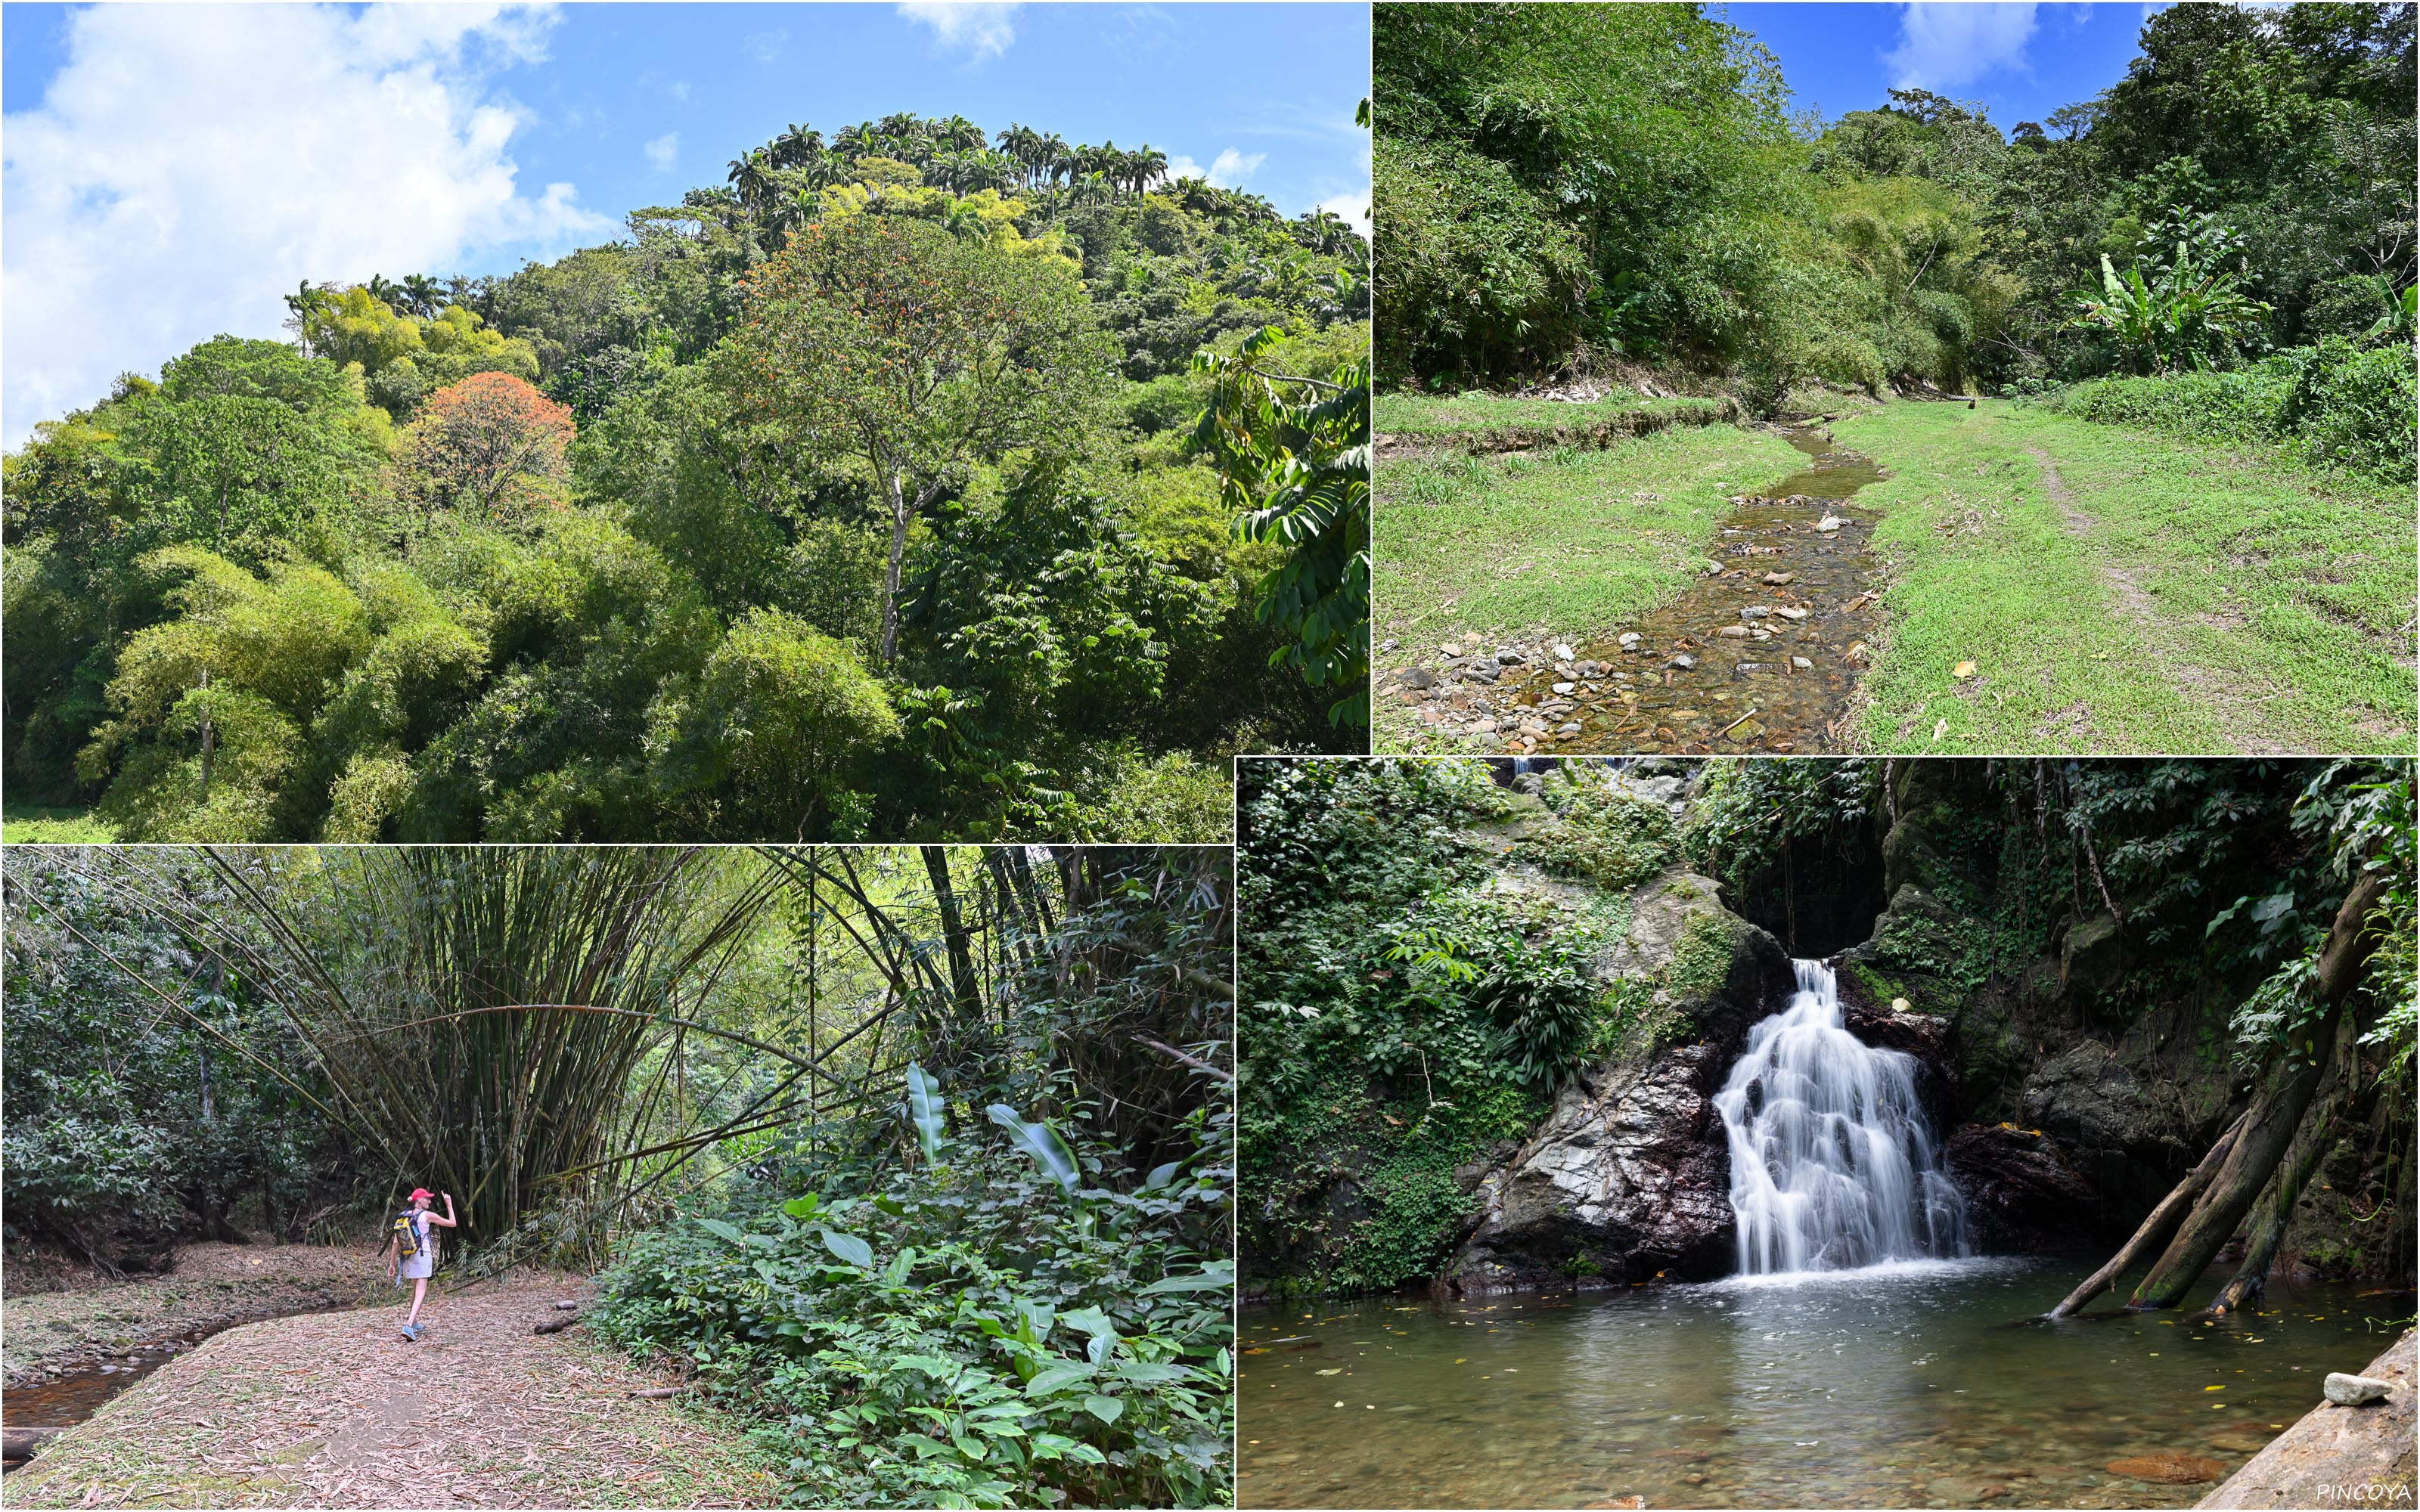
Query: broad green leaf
column 1105, row 1408
column 927, row 1111
column 1218, row 1276
column 1162, row 1175
column 849, row 1247
column 1057, row 1377
column 802, row 1206
column 723, row 1230
column 1042, row 1142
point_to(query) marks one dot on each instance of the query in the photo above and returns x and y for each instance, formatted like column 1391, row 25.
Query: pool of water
column 1924, row 1383
column 1738, row 663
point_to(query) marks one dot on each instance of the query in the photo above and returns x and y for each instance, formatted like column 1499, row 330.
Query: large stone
column 2021, row 1192
column 1629, row 1174
column 2091, row 960
column 2335, row 1456
column 2355, row 1391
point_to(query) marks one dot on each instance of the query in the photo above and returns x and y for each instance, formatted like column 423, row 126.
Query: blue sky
column 171, row 171
column 2022, row 61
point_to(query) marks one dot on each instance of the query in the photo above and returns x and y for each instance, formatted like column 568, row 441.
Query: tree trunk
column 2154, row 1229
column 209, row 741
column 964, row 988
column 897, row 486
column 2276, row 1115
column 2275, row 1211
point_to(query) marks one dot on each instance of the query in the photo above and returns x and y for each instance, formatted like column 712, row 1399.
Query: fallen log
column 2275, row 1209
column 556, row 1325
column 2276, row 1114
column 2154, row 1229
column 659, row 1393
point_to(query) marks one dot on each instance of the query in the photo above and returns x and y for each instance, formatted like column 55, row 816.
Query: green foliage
column 1293, row 459
column 136, row 1121
column 1615, row 839
column 1563, row 187
column 952, row 530
column 959, row 1335
column 2191, row 312
column 1396, row 1028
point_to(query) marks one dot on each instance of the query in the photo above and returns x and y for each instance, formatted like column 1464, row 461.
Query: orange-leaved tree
column 489, row 447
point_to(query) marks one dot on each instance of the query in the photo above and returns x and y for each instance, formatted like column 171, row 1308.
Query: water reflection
column 1919, row 1384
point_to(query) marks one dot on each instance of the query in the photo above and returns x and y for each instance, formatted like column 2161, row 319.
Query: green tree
column 782, row 714
column 893, row 341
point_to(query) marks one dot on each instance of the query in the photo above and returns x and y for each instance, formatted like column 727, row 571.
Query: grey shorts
column 419, row 1267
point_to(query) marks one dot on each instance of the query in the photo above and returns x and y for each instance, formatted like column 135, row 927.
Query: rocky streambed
column 1763, row 651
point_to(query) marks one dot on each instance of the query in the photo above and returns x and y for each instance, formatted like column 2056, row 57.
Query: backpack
column 407, row 1237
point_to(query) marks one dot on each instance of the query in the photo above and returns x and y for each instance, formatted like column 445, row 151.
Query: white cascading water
column 1832, row 1164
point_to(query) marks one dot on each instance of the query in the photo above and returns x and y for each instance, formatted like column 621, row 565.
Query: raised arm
column 446, row 1221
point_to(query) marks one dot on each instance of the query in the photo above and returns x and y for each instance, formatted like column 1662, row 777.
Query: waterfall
column 1832, row 1164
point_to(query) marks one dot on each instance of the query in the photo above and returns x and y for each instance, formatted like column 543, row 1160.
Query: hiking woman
column 414, row 1240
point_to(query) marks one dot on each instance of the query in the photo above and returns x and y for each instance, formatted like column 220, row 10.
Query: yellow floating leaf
column 1963, row 670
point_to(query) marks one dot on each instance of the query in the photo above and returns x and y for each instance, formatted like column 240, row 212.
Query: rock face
column 2019, row 1186
column 1629, row 1174
column 2338, row 1455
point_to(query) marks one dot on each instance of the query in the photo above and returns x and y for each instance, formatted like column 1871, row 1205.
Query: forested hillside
column 1604, row 189
column 868, row 493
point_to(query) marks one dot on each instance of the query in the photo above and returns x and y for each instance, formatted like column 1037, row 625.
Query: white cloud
column 1353, row 210
column 662, row 150
column 765, row 46
column 190, row 165
column 1943, row 46
column 983, row 27
column 1228, row 170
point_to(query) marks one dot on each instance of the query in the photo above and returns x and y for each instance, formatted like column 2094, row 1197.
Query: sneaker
column 412, row 1333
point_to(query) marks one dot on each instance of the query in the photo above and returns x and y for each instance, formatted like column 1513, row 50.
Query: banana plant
column 2397, row 324
column 1042, row 1144
column 927, row 1112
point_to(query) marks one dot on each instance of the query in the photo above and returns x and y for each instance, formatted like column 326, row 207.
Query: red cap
column 418, row 1193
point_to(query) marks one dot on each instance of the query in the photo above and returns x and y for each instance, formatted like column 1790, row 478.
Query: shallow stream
column 1925, row 1383
column 1781, row 678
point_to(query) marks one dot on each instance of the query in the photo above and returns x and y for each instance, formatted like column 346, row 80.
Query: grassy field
column 2117, row 592
column 1562, row 542
column 23, row 824
column 2120, row 591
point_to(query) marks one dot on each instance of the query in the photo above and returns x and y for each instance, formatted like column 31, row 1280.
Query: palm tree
column 420, row 294
column 856, row 140
column 308, row 303
column 960, row 133
column 752, row 177
column 1023, row 146
column 797, row 146
column 1151, row 165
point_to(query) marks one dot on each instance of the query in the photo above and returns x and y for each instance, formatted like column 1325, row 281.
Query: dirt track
column 335, row 1409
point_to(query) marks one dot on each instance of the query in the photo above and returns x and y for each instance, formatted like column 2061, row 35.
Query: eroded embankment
column 1593, row 435
column 130, row 1326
